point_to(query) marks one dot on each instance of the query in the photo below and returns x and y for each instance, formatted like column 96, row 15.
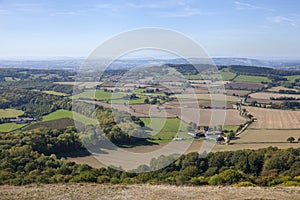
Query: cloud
column 247, row 6
column 282, row 19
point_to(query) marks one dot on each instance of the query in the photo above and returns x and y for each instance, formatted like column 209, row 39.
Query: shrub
column 244, row 184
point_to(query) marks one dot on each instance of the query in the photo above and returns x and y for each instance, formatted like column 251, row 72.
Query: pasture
column 166, row 128
column 7, row 127
column 59, row 114
column 252, row 79
column 55, row 93
column 10, row 113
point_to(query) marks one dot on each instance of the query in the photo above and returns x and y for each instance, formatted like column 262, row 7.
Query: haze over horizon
column 229, row 28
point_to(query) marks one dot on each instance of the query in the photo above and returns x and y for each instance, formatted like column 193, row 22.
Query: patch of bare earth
column 145, row 192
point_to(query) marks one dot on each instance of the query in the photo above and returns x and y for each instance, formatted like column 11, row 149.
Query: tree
column 291, row 139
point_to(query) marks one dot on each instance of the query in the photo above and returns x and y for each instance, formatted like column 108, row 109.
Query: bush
column 103, row 179
column 244, row 184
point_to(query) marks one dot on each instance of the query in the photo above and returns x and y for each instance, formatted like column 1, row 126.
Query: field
column 7, row 127
column 268, row 95
column 52, row 124
column 274, row 119
column 244, row 85
column 251, row 136
column 258, row 139
column 166, row 128
column 89, row 191
column 10, row 113
column 55, row 93
column 212, row 97
column 292, row 78
column 111, row 97
column 80, row 84
column 252, row 79
column 59, row 114
column 276, row 89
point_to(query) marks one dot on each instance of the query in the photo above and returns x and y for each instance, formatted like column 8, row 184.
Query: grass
column 292, row 78
column 7, row 127
column 227, row 75
column 99, row 95
column 55, row 93
column 52, row 124
column 252, row 79
column 229, row 128
column 59, row 114
column 10, row 113
column 165, row 128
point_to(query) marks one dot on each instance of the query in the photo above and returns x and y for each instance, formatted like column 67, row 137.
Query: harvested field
column 89, row 191
column 268, row 95
column 237, row 92
column 213, row 97
column 244, row 85
column 232, row 117
column 258, row 139
column 276, row 89
column 274, row 119
column 80, row 84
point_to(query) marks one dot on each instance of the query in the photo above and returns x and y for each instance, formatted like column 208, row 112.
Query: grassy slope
column 7, row 127
column 89, row 191
column 10, row 113
column 59, row 114
column 165, row 128
column 55, row 93
column 251, row 79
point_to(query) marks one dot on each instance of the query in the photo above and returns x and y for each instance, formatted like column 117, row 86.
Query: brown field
column 276, row 89
column 241, row 85
column 237, row 92
column 187, row 114
column 274, row 119
column 252, row 136
column 268, row 95
column 258, row 139
column 212, row 97
column 80, row 84
column 197, row 104
column 89, row 191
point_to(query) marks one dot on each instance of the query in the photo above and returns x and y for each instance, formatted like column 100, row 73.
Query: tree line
column 37, row 157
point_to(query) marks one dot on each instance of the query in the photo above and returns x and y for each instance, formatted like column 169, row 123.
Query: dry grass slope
column 146, row 192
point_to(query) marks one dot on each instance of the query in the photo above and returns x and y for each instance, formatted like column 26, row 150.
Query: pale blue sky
column 241, row 28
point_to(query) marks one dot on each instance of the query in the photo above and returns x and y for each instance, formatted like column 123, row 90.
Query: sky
column 224, row 28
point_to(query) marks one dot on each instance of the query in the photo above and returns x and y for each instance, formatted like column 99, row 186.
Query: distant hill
column 75, row 63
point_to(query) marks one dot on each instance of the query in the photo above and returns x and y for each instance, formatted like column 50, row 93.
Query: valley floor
column 148, row 192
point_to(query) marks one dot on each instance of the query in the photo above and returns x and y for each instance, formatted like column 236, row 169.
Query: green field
column 252, row 79
column 292, row 78
column 227, row 75
column 55, row 93
column 99, row 95
column 7, row 127
column 229, row 128
column 165, row 128
column 10, row 113
column 59, row 114
column 224, row 75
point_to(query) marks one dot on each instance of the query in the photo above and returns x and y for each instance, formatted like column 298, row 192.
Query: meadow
column 166, row 128
column 252, row 79
column 10, row 113
column 59, row 114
